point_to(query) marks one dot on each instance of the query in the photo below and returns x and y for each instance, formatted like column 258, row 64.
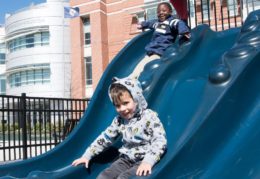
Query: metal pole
column 208, row 5
column 202, row 13
column 195, row 12
column 215, row 15
column 24, row 128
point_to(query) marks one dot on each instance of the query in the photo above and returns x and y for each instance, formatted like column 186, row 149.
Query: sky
column 11, row 6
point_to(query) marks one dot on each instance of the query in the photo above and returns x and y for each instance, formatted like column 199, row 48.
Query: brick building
column 105, row 26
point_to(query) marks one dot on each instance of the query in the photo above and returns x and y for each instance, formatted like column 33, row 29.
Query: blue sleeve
column 180, row 26
column 148, row 24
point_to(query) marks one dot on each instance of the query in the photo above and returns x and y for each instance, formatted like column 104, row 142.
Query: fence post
column 23, row 120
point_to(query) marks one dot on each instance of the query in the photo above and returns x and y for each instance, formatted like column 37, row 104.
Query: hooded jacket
column 143, row 135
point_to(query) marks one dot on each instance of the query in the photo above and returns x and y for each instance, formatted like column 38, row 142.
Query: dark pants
column 121, row 168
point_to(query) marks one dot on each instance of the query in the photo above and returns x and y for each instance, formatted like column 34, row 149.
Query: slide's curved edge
column 221, row 138
column 197, row 95
column 71, row 144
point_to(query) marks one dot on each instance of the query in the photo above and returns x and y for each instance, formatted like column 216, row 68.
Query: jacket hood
column 134, row 87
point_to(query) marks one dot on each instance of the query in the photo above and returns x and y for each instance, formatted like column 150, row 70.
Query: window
column 38, row 74
column 205, row 9
column 28, row 41
column 151, row 12
column 256, row 3
column 232, row 7
column 17, row 79
column 86, row 24
column 45, row 38
column 140, row 16
column 2, row 58
column 34, row 74
column 37, row 40
column 87, row 38
column 2, row 53
column 29, row 77
column 192, row 8
column 2, row 85
column 88, row 64
column 46, row 76
column 23, row 77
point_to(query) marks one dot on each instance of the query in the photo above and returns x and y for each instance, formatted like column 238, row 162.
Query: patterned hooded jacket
column 143, row 136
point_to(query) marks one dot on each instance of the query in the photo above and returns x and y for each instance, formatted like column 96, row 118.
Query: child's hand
column 80, row 161
column 144, row 169
column 139, row 26
column 187, row 35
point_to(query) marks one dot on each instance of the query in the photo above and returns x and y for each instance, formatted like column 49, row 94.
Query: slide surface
column 207, row 95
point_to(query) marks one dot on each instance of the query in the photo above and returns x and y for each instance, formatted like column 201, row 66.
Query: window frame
column 88, row 71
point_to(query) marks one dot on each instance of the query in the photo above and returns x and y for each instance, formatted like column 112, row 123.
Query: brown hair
column 116, row 92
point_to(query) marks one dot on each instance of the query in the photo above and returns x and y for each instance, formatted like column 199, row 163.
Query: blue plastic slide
column 207, row 94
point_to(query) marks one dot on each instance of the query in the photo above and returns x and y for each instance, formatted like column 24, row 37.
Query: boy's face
column 163, row 12
column 126, row 106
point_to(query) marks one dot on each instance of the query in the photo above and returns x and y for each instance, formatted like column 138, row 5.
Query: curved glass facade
column 28, row 41
column 26, row 75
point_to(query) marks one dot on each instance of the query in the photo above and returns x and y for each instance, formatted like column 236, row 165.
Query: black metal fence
column 220, row 14
column 31, row 126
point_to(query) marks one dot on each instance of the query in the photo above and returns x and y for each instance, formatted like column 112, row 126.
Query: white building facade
column 38, row 51
column 2, row 61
